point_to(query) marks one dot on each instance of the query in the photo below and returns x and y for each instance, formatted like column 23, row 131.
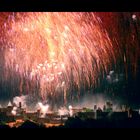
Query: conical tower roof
column 9, row 104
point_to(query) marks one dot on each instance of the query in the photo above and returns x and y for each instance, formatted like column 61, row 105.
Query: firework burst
column 59, row 54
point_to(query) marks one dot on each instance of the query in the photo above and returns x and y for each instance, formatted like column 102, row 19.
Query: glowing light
column 43, row 109
column 63, row 111
column 51, row 49
column 134, row 17
column 14, row 111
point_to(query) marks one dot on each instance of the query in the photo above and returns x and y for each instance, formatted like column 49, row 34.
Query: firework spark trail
column 57, row 52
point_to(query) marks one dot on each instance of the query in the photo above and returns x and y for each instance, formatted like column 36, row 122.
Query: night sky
column 120, row 80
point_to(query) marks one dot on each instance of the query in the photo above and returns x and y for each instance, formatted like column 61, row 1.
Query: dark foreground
column 89, row 123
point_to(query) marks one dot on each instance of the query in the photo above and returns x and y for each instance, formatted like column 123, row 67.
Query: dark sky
column 125, row 35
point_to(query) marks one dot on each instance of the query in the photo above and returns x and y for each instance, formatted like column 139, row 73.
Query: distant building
column 109, row 106
column 9, row 104
column 76, row 110
column 86, row 115
column 124, row 108
column 95, row 107
column 118, row 115
column 104, row 108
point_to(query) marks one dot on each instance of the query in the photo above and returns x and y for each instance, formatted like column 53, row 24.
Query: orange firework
column 58, row 51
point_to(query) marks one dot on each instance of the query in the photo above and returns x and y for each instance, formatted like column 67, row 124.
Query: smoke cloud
column 20, row 99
